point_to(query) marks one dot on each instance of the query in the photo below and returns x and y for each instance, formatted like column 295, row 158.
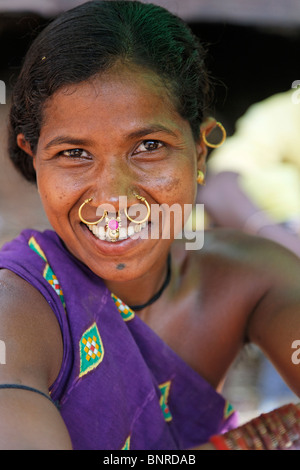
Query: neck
column 157, row 295
column 139, row 293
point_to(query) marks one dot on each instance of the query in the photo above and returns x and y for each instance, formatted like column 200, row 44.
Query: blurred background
column 253, row 53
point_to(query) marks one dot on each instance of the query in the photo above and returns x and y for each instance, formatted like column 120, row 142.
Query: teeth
column 130, row 230
column 102, row 234
column 122, row 233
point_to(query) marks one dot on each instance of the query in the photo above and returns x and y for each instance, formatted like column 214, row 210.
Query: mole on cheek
column 120, row 266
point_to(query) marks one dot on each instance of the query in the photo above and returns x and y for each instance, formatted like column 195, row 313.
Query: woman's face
column 113, row 136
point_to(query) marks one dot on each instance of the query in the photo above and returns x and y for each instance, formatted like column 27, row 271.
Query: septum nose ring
column 113, row 224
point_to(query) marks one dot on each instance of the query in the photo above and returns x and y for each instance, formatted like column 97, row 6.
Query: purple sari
column 120, row 386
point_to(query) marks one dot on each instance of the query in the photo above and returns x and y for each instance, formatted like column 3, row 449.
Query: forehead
column 120, row 98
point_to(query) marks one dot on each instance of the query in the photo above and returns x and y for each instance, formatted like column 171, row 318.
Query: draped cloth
column 120, row 386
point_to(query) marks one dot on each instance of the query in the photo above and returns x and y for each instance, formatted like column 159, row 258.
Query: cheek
column 176, row 193
column 57, row 196
column 181, row 185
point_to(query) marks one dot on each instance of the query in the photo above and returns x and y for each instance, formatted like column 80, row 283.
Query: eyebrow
column 65, row 139
column 150, row 130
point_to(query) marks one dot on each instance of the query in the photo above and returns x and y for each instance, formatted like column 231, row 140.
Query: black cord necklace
column 158, row 294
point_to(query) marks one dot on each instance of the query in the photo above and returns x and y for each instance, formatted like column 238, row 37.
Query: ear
column 25, row 146
column 206, row 126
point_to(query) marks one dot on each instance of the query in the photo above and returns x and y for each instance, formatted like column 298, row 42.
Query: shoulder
column 257, row 275
column 30, row 332
column 236, row 248
column 245, row 267
column 238, row 288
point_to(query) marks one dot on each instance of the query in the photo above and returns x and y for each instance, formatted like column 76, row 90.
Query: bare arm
column 275, row 322
column 33, row 356
column 229, row 206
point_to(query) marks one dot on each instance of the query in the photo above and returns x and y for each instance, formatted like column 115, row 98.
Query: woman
column 132, row 335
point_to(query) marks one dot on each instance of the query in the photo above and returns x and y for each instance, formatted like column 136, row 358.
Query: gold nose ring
column 140, row 198
column 87, row 201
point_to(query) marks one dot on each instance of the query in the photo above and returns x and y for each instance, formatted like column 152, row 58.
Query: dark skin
column 236, row 289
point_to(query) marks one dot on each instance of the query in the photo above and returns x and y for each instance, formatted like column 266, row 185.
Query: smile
column 114, row 234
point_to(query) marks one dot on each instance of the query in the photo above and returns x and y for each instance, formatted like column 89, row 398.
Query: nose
column 112, row 186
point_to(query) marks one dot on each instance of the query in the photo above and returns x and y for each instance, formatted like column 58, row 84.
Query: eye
column 75, row 153
column 149, row 146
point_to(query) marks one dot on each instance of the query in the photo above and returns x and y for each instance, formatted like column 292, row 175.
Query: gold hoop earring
column 218, row 124
column 140, row 198
column 87, row 201
column 200, row 178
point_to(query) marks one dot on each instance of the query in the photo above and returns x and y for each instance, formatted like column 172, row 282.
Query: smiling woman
column 131, row 334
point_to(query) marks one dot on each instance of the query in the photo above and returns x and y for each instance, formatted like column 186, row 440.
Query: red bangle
column 239, row 438
column 256, row 441
column 296, row 408
column 263, row 433
column 219, row 442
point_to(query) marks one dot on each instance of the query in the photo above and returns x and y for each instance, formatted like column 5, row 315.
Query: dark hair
column 90, row 39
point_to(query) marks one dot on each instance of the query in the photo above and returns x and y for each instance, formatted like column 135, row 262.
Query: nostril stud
column 113, row 224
